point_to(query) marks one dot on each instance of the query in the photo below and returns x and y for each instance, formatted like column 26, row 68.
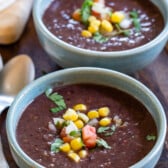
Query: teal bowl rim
column 115, row 54
column 110, row 73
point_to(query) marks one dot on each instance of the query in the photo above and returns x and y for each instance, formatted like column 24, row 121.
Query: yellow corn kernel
column 117, row 17
column 93, row 114
column 105, row 121
column 80, row 107
column 93, row 29
column 91, row 18
column 83, row 117
column 79, row 124
column 76, row 144
column 95, row 23
column 86, row 33
column 103, row 111
column 65, row 147
column 74, row 156
column 70, row 114
column 83, row 153
column 106, row 26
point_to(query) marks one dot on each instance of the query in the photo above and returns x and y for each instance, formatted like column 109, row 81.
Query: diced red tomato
column 98, row 8
column 64, row 136
column 77, row 15
column 99, row 1
column 95, row 0
column 67, row 139
column 89, row 136
column 63, row 132
column 96, row 14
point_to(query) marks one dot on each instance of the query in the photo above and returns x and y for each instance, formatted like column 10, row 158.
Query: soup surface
column 128, row 137
column 145, row 17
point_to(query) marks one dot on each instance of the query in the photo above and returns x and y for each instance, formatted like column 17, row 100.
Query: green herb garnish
column 75, row 133
column 107, row 131
column 57, row 99
column 113, row 128
column 102, row 143
column 151, row 137
column 56, row 145
column 98, row 37
column 65, row 123
column 86, row 10
column 126, row 32
column 134, row 16
column 102, row 129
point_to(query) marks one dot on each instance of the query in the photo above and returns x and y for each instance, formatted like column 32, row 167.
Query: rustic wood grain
column 154, row 77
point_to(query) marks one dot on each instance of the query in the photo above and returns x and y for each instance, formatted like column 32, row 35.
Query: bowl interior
column 89, row 75
column 41, row 5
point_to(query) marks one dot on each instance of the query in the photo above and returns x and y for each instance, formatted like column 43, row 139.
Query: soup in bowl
column 118, row 35
column 82, row 117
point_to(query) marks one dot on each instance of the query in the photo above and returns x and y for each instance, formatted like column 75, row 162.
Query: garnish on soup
column 99, row 125
column 81, row 129
column 104, row 25
column 57, row 99
column 103, row 22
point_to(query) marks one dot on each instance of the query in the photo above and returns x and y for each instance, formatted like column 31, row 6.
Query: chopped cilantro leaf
column 65, row 123
column 126, row 32
column 57, row 109
column 98, row 37
column 57, row 99
column 137, row 25
column 102, row 129
column 134, row 14
column 136, row 22
column 86, row 10
column 113, row 128
column 107, row 131
column 102, row 143
column 75, row 133
column 56, row 145
column 151, row 137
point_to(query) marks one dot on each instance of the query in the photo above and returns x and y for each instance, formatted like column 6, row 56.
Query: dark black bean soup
column 107, row 128
column 130, row 24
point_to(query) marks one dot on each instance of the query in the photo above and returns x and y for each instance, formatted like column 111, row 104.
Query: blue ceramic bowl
column 127, row 61
column 86, row 75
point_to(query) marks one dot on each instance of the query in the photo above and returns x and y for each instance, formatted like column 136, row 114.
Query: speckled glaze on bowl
column 127, row 61
column 86, row 75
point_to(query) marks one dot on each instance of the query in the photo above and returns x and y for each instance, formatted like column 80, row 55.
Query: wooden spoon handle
column 13, row 20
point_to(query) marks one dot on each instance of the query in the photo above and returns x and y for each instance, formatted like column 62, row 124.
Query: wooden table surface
column 155, row 77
